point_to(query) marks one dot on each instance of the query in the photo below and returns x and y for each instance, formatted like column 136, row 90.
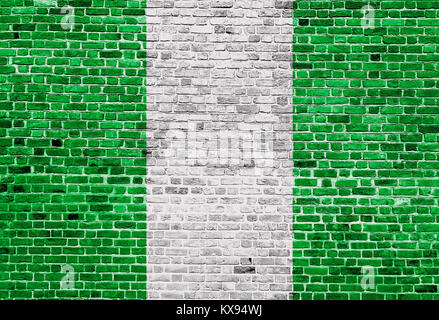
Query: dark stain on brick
column 339, row 57
column 413, row 263
column 55, row 11
column 297, row 65
column 96, row 198
column 3, row 187
column 146, row 152
column 133, row 12
column 39, row 216
column 249, row 164
column 307, row 201
column 118, row 180
column 137, row 180
column 19, row 170
column 5, row 123
column 283, row 4
column 75, row 3
column 430, row 254
column 16, row 35
column 196, row 191
column 73, row 216
column 244, row 269
column 374, row 74
column 363, row 191
column 351, row 271
column 429, row 129
column 339, row 119
column 375, row 57
column 166, row 55
column 354, row 4
column 386, row 182
column 56, row 143
column 220, row 29
column 4, row 250
column 305, row 164
column 425, row 288
column 18, row 189
column 81, row 3
column 303, row 22
column 19, row 141
column 38, row 152
column 24, row 27
column 176, row 190
column 18, row 123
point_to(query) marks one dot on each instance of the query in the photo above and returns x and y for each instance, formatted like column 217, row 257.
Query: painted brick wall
column 365, row 141
column 74, row 182
column 73, row 149
column 219, row 229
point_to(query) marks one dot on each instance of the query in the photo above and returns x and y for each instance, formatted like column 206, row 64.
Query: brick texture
column 72, row 149
column 219, row 229
column 365, row 141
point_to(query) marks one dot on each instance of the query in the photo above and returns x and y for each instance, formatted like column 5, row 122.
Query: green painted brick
column 66, row 195
column 368, row 198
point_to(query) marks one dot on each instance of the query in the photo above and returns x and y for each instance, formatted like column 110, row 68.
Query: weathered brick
column 364, row 134
column 209, row 203
column 67, row 176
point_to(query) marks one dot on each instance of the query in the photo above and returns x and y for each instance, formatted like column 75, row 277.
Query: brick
column 232, row 79
column 70, row 184
column 361, row 122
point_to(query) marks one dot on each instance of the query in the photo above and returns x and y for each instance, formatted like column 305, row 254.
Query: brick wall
column 219, row 223
column 73, row 147
column 212, row 155
column 365, row 141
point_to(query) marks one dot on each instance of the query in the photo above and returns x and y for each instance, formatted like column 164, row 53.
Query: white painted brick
column 218, row 229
